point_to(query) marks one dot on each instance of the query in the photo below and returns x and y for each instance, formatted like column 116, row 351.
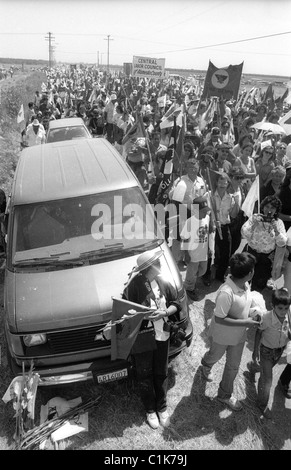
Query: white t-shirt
column 198, row 241
column 159, row 303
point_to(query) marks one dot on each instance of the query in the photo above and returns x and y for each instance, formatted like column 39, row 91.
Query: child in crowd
column 233, row 314
column 196, row 236
column 272, row 336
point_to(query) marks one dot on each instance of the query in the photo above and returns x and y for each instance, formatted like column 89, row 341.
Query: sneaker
column 207, row 374
column 193, row 295
column 232, row 403
column 153, row 421
column 285, row 389
column 164, row 418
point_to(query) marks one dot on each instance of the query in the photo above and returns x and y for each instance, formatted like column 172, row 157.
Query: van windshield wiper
column 46, row 260
column 149, row 244
column 107, row 249
column 35, row 261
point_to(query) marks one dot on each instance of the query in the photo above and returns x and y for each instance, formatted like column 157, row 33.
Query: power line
column 222, row 43
column 108, row 39
column 50, row 39
column 59, row 34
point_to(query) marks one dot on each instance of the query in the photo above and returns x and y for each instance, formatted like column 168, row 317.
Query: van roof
column 68, row 169
column 66, row 122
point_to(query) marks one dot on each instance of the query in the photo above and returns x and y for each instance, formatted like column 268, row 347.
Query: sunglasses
column 238, row 177
column 268, row 153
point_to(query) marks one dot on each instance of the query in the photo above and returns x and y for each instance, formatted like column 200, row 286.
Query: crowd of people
column 180, row 156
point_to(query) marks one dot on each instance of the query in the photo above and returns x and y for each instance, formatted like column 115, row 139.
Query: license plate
column 118, row 374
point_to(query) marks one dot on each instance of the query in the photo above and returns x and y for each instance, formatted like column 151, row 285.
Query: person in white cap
column 35, row 135
column 109, row 111
column 147, row 287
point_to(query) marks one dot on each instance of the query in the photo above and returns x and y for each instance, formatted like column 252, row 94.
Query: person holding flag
column 146, row 286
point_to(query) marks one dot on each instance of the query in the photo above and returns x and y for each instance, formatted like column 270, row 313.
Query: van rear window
column 67, row 133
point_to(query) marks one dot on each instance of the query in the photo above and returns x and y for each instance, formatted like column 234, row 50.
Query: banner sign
column 147, row 67
column 223, row 82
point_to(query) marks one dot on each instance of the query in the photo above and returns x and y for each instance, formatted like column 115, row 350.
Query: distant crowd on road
column 231, row 160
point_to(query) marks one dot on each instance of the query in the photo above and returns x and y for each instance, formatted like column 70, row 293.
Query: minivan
column 77, row 221
column 67, row 129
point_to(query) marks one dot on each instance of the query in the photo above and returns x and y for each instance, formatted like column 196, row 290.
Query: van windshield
column 87, row 225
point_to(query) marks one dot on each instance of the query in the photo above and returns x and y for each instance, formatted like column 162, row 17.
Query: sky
column 186, row 33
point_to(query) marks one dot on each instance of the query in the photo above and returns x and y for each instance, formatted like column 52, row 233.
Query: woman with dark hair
column 226, row 207
column 188, row 152
column 264, row 232
column 239, row 191
column 245, row 139
column 265, row 162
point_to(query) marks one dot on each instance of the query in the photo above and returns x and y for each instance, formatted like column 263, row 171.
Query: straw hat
column 145, row 260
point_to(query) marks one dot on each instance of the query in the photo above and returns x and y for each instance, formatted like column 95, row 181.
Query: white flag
column 162, row 101
column 20, row 115
column 251, row 198
column 285, row 122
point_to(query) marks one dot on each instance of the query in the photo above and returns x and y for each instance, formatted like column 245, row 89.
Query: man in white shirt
column 108, row 116
column 35, row 135
column 185, row 189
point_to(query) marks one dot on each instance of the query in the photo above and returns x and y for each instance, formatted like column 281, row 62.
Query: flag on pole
column 20, row 115
column 126, row 321
column 252, row 197
column 223, row 81
column 269, row 97
column 282, row 98
column 249, row 96
column 21, row 119
column 238, row 105
column 168, row 118
column 166, row 182
column 208, row 115
column 134, row 132
column 285, row 122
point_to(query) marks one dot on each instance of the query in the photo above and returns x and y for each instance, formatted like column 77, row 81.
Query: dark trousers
column 285, row 377
column 222, row 251
column 109, row 132
column 152, row 376
column 235, row 230
column 263, row 269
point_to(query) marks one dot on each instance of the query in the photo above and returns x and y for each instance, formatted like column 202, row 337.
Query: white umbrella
column 269, row 126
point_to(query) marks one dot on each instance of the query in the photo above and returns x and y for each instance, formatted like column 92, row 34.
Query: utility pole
column 50, row 39
column 108, row 39
column 98, row 59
